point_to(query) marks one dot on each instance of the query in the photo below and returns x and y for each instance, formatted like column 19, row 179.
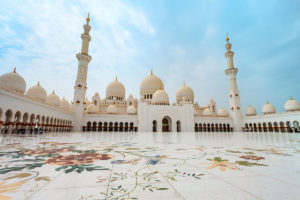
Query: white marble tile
column 173, row 166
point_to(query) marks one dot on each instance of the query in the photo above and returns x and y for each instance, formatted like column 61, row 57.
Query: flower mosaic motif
column 251, row 157
column 144, row 162
column 154, row 160
column 217, row 162
column 78, row 159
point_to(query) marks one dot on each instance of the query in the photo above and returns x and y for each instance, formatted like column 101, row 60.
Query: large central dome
column 150, row 84
column 115, row 90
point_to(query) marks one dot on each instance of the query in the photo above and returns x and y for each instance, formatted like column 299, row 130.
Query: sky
column 179, row 40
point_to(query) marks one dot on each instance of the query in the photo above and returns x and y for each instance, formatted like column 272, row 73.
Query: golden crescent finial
column 88, row 18
column 38, row 83
column 116, row 78
column 151, row 72
column 268, row 102
column 52, row 91
column 15, row 69
column 227, row 38
column 291, row 98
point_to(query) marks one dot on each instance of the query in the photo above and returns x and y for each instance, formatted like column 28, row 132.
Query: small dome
column 96, row 94
column 207, row 112
column 160, row 97
column 115, row 89
column 64, row 104
column 131, row 110
column 292, row 105
column 250, row 111
column 150, row 84
column 185, row 93
column 112, row 109
column 91, row 108
column 37, row 92
column 222, row 113
column 53, row 99
column 13, row 81
column 130, row 96
column 268, row 109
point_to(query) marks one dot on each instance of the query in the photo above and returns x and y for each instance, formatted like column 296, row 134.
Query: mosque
column 33, row 110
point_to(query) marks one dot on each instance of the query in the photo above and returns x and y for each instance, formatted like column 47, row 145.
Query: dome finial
column 38, row 83
column 151, row 72
column 116, row 77
column 15, row 69
column 183, row 82
column 268, row 102
column 88, row 18
column 291, row 98
column 227, row 38
column 52, row 91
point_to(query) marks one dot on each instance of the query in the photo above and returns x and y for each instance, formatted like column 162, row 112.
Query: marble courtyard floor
column 98, row 165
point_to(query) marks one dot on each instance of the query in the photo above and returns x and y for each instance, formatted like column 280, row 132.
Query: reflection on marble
column 99, row 165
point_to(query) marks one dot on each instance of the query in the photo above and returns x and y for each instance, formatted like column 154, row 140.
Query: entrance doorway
column 166, row 124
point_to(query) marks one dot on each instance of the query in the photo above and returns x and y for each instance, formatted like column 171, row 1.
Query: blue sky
column 179, row 40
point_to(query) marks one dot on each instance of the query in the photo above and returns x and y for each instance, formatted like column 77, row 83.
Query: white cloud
column 42, row 37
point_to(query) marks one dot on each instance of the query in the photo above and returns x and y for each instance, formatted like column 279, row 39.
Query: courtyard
column 97, row 165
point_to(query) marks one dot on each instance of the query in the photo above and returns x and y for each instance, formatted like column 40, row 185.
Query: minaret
column 80, row 85
column 233, row 92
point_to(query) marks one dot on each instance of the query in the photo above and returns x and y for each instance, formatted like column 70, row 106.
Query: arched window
column 178, row 124
column 116, row 127
column 212, row 128
column 228, row 128
column 265, row 127
column 255, row 127
column 270, row 127
column 121, row 127
column 196, row 127
column 110, row 128
column 246, row 127
column 208, row 127
column 296, row 126
column 200, row 127
column 259, row 127
column 282, row 127
column 224, row 128
column 288, row 127
column 131, row 126
column 276, row 127
column 126, row 127
column 105, row 126
column 94, row 126
column 250, row 127
column 154, row 126
column 99, row 126
column 88, row 126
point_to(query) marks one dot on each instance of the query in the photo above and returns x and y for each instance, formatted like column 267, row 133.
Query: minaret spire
column 233, row 92
column 81, row 81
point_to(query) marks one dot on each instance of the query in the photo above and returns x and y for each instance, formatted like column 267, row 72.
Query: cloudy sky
column 179, row 40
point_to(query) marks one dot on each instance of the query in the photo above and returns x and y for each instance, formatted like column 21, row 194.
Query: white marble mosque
column 34, row 110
